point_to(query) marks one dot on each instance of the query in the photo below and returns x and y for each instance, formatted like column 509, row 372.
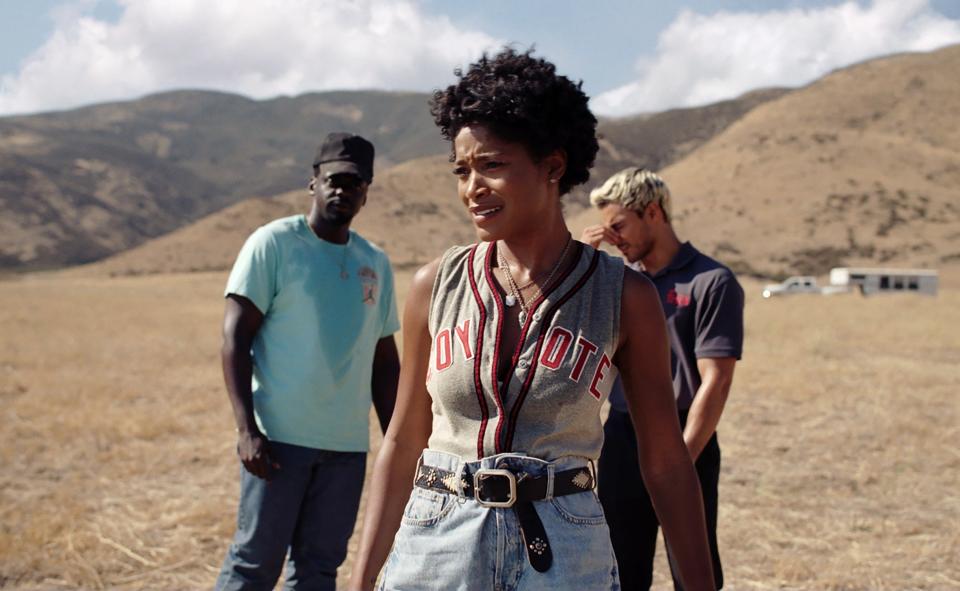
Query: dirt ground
column 840, row 466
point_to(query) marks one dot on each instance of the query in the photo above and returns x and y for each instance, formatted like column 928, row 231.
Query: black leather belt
column 499, row 487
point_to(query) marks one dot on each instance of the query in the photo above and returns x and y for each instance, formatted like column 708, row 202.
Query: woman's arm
column 405, row 439
column 643, row 359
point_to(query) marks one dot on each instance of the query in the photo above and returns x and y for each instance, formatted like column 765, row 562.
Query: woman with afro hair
column 510, row 347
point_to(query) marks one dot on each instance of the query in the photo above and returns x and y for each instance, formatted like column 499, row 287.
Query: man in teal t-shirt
column 307, row 346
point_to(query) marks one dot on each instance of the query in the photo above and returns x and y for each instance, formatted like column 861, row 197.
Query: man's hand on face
column 595, row 235
column 254, row 452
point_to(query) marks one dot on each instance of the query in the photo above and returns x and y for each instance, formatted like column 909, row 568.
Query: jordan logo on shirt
column 368, row 285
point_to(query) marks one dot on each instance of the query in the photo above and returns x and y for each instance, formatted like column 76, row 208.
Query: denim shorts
column 448, row 542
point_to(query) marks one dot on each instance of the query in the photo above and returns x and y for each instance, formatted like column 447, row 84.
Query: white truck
column 797, row 284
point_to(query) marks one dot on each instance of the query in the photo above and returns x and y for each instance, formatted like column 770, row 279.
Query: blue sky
column 633, row 56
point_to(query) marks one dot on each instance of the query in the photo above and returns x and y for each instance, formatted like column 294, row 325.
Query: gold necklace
column 515, row 292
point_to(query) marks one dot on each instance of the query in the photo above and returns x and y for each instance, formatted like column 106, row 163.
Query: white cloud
column 705, row 58
column 260, row 48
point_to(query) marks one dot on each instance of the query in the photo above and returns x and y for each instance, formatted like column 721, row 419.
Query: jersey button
column 522, row 364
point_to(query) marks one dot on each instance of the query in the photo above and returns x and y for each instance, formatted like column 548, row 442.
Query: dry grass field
column 840, row 466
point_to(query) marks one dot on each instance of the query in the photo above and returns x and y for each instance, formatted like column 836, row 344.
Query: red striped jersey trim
column 478, row 357
column 491, row 284
column 545, row 324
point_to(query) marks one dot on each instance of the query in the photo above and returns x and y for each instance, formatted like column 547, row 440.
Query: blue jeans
column 308, row 508
column 448, row 542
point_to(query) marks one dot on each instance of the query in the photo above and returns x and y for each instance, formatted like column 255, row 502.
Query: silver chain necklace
column 515, row 296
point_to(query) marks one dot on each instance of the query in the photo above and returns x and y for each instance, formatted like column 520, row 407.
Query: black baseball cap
column 345, row 152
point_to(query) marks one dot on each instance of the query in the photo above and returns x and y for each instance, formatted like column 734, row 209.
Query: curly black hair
column 521, row 98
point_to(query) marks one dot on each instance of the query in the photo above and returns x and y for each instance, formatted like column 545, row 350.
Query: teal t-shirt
column 325, row 306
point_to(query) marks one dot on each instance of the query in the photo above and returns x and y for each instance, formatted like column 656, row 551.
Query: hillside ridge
column 80, row 185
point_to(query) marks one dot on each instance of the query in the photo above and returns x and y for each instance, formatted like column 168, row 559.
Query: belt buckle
column 483, row 473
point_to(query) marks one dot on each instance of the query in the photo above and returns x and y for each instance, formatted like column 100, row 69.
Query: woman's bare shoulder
column 639, row 304
column 421, row 286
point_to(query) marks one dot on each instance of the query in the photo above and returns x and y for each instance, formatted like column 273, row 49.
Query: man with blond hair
column 703, row 304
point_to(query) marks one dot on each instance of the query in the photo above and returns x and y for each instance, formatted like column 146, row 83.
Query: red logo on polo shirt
column 680, row 300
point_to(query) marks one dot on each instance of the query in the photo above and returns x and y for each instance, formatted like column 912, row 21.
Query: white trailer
column 876, row 280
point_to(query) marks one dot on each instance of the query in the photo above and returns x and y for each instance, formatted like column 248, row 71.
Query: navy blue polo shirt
column 703, row 304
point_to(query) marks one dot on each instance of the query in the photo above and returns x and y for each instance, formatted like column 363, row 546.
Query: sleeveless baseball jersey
column 548, row 404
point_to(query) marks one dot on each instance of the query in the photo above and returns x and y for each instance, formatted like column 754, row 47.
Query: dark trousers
column 633, row 522
column 305, row 514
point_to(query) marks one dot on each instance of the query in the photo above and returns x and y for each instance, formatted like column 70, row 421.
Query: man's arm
column 386, row 374
column 716, row 377
column 719, row 341
column 241, row 321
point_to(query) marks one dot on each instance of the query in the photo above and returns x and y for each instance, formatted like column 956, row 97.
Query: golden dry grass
column 840, row 467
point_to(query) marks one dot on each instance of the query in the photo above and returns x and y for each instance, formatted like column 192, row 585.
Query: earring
column 554, row 180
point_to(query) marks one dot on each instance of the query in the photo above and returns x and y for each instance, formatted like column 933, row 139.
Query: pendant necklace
column 511, row 298
column 515, row 296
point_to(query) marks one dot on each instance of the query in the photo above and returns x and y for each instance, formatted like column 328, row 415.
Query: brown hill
column 860, row 167
column 63, row 207
column 80, row 185
column 412, row 211
column 656, row 140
